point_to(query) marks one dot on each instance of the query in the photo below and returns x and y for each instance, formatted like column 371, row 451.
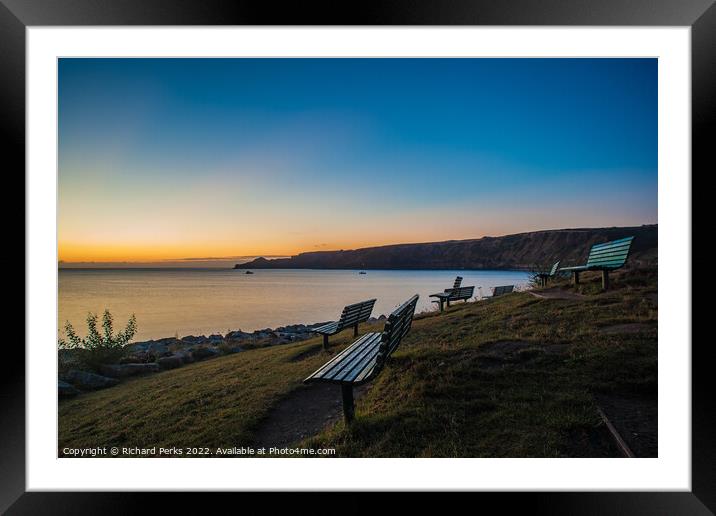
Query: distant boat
column 362, row 272
column 249, row 272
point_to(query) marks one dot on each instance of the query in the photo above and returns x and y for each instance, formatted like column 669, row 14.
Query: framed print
column 413, row 250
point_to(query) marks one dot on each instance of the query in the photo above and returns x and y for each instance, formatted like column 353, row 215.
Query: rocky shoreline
column 153, row 356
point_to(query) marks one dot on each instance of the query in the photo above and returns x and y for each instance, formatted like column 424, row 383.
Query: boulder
column 186, row 356
column 138, row 357
column 125, row 370
column 159, row 349
column 215, row 339
column 89, row 381
column 237, row 335
column 192, row 339
column 203, row 353
column 139, row 346
column 171, row 362
column 65, row 390
column 233, row 349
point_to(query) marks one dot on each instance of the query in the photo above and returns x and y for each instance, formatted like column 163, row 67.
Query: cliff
column 520, row 251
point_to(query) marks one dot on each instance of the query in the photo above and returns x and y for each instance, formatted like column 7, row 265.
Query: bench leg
column 575, row 274
column 325, row 341
column 441, row 305
column 605, row 280
column 348, row 406
column 355, row 330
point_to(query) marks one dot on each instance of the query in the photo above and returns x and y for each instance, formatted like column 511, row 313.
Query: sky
column 170, row 159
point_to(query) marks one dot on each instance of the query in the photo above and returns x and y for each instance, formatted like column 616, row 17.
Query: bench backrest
column 355, row 313
column 554, row 268
column 458, row 282
column 504, row 289
column 461, row 292
column 610, row 255
column 396, row 327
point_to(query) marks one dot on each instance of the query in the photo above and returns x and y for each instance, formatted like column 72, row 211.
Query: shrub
column 97, row 349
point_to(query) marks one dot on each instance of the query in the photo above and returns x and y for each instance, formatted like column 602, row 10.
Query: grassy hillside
column 520, row 251
column 514, row 376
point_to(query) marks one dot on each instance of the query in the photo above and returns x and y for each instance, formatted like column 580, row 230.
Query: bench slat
column 329, row 328
column 349, row 366
column 340, row 356
column 611, row 252
column 620, row 255
column 365, row 373
column 613, row 242
column 359, row 364
column 327, row 369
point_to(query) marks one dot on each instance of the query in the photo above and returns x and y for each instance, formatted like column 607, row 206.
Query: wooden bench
column 453, row 294
column 544, row 276
column 604, row 257
column 365, row 358
column 351, row 316
column 504, row 289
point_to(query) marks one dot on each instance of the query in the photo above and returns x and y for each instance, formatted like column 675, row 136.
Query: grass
column 511, row 377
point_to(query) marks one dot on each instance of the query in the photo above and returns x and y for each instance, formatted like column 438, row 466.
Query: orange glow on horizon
column 73, row 252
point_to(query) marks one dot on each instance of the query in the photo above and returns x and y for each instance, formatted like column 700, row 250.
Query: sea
column 180, row 302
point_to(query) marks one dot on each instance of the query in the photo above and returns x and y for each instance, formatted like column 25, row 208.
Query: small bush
column 96, row 349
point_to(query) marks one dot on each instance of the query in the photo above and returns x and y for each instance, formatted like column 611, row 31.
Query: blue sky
column 170, row 158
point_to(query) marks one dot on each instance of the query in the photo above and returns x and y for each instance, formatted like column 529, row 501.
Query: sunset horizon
column 164, row 159
column 231, row 257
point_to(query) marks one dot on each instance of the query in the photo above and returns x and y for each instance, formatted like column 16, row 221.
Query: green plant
column 97, row 349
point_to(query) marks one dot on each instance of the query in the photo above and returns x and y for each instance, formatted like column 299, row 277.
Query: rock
column 234, row 349
column 191, row 339
column 215, row 339
column 89, row 381
column 138, row 357
column 65, row 390
column 185, row 355
column 171, row 362
column 139, row 346
column 237, row 335
column 202, row 353
column 131, row 369
column 159, row 349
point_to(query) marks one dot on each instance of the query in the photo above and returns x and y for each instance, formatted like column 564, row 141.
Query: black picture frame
column 16, row 15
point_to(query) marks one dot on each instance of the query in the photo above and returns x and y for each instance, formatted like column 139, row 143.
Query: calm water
column 204, row 301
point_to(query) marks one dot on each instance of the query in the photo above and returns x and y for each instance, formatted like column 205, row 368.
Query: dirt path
column 556, row 293
column 303, row 413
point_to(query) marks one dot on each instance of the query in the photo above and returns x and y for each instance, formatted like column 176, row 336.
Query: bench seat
column 353, row 365
column 330, row 328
